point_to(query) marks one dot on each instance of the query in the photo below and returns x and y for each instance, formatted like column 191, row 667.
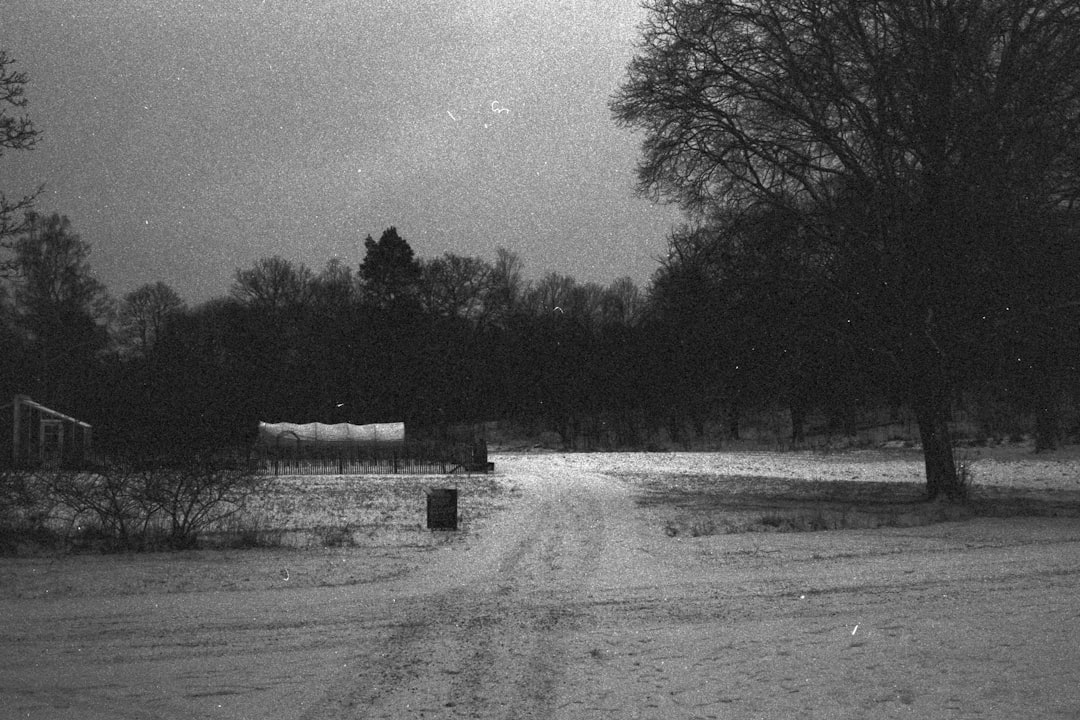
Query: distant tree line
column 436, row 343
column 447, row 341
column 884, row 202
column 455, row 340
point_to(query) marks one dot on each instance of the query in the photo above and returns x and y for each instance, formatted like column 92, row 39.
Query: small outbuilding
column 35, row 435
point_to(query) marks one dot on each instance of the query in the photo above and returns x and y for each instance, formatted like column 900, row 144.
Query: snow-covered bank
column 1005, row 467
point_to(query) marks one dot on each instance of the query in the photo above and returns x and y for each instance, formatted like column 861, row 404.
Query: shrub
column 26, row 509
column 245, row 533
column 963, row 462
column 108, row 506
column 338, row 536
column 197, row 492
column 24, row 500
column 702, row 528
column 129, row 503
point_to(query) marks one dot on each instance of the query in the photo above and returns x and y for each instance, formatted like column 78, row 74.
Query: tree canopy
column 144, row 313
column 922, row 150
column 390, row 273
column 273, row 283
column 59, row 304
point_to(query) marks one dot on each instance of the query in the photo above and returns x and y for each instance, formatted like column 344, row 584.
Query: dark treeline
column 886, row 207
column 717, row 337
column 907, row 170
column 435, row 342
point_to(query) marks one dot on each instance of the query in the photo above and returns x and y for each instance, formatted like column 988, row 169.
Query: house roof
column 24, row 400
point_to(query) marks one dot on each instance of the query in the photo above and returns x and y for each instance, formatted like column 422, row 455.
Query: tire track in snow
column 487, row 638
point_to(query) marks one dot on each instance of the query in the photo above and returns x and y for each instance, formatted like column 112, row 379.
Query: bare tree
column 586, row 302
column 552, row 295
column 506, row 287
column 920, row 146
column 144, row 313
column 456, row 286
column 335, row 288
column 622, row 302
column 273, row 283
column 17, row 132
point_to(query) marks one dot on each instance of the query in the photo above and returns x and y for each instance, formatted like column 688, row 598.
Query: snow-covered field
column 1002, row 468
column 369, row 510
column 562, row 597
column 390, row 509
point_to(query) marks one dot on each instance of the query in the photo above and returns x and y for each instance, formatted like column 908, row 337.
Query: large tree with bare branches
column 273, row 284
column 927, row 150
column 16, row 133
column 144, row 313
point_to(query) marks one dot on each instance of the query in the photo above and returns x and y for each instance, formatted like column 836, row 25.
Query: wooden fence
column 406, row 458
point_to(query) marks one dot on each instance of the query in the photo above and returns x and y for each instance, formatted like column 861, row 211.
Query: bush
column 246, row 533
column 963, row 462
column 26, row 507
column 108, row 506
column 22, row 499
column 198, row 492
column 129, row 503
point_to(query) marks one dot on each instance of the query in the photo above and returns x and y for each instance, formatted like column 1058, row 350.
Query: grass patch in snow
column 699, row 505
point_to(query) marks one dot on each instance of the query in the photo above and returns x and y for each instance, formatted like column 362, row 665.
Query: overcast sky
column 186, row 139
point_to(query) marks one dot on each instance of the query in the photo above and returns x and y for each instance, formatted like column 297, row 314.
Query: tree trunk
column 798, row 424
column 733, row 422
column 1047, row 428
column 932, row 414
column 675, row 428
column 1047, row 417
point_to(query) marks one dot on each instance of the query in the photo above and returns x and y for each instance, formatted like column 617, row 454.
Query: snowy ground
column 1014, row 467
column 564, row 597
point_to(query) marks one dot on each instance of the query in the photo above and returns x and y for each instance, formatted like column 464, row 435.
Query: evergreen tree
column 390, row 273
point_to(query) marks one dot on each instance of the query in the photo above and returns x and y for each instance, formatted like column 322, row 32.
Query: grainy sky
column 185, row 139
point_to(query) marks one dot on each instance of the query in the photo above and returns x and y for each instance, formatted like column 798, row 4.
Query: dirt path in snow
column 485, row 633
column 572, row 603
column 477, row 632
